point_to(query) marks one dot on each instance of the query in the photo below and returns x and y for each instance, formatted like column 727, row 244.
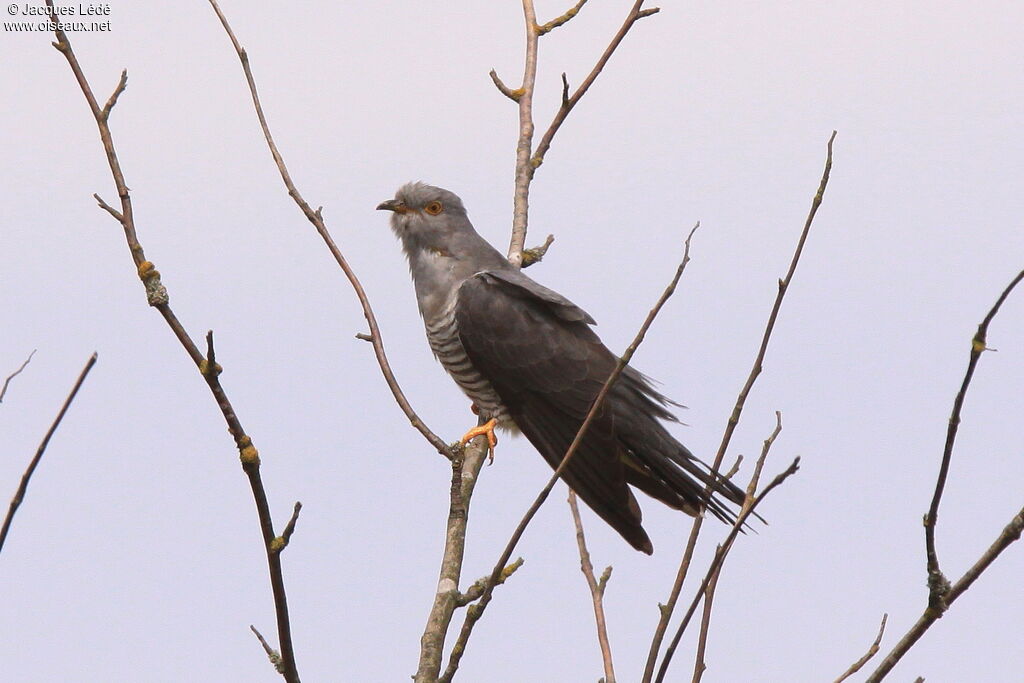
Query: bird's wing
column 541, row 357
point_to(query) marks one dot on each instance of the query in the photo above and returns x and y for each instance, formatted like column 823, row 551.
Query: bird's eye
column 433, row 208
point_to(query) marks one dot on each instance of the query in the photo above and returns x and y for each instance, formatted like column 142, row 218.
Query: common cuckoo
column 529, row 361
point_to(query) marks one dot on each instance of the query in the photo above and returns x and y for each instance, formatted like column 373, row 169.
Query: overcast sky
column 137, row 556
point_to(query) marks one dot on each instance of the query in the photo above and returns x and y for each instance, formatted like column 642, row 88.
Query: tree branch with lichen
column 157, row 297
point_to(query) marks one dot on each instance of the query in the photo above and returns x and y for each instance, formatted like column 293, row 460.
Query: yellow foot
column 486, row 429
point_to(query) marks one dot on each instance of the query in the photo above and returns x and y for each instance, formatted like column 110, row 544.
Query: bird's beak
column 395, row 205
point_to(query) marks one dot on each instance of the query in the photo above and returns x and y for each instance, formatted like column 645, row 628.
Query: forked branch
column 938, row 585
column 528, row 158
column 667, row 609
column 940, row 593
column 596, row 587
column 157, row 297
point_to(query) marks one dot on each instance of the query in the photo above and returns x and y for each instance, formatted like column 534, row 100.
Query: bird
column 530, row 362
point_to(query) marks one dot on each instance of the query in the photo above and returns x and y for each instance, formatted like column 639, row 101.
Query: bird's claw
column 486, row 429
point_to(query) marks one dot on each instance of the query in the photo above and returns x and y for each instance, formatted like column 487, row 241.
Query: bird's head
column 425, row 217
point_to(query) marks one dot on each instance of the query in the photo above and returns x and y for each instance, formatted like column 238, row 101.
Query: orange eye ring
column 433, row 208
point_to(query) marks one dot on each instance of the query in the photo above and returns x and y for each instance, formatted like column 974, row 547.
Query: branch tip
column 561, row 20
column 513, row 95
column 14, row 374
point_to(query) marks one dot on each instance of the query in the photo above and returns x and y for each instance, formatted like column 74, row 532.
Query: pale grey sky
column 137, row 556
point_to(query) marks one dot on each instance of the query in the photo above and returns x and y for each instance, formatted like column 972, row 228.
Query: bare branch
column 466, row 466
column 940, row 594
column 273, row 655
column 157, row 297
column 938, row 585
column 635, row 14
column 552, row 25
column 121, row 85
column 666, row 609
column 699, row 665
column 504, row 89
column 474, row 613
column 474, row 592
column 536, row 254
column 118, row 216
column 716, row 563
column 856, row 666
column 281, row 542
column 707, row 591
column 734, row 469
column 316, row 218
column 596, row 589
column 1010, row 534
column 528, row 160
column 524, row 147
column 3, row 391
column 23, row 487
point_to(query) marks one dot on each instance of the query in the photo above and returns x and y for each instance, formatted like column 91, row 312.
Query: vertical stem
column 524, row 149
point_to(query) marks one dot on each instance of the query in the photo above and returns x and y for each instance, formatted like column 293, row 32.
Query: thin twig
column 317, row 220
column 699, row 665
column 716, row 563
column 555, row 23
column 112, row 100
column 157, row 297
column 709, row 594
column 282, row 541
column 872, row 651
column 23, row 487
column 474, row 613
column 668, row 607
column 504, row 89
column 273, row 655
column 938, row 585
column 536, row 254
column 707, row 590
column 3, row 391
column 596, row 589
column 474, row 592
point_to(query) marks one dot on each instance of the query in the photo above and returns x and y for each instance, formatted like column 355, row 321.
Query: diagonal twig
column 23, row 487
column 474, row 614
column 716, row 562
column 596, row 589
column 699, row 664
column 316, row 218
column 157, row 297
column 3, row 391
column 872, row 651
column 691, row 543
column 709, row 594
column 707, row 587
